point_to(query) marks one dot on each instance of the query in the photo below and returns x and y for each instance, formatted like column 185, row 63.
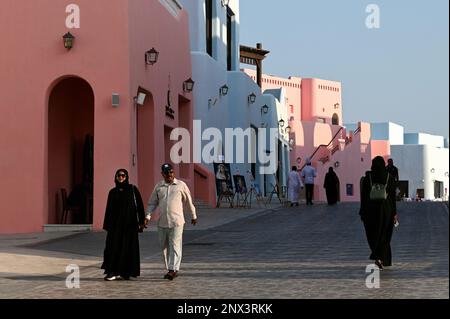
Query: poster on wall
column 224, row 185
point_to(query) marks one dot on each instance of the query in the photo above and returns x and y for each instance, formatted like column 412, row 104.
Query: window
column 335, row 119
column 209, row 26
column 349, row 189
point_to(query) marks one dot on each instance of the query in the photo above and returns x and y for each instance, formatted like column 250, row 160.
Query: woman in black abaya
column 379, row 216
column 331, row 185
column 124, row 219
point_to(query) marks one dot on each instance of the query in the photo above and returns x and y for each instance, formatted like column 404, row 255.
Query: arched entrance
column 70, row 151
column 335, row 119
column 145, row 145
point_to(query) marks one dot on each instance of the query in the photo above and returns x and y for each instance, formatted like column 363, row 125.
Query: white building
column 215, row 50
column 422, row 160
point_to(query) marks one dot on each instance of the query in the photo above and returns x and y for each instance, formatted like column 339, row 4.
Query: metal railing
column 325, row 158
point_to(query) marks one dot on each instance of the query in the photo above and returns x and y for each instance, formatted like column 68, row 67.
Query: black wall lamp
column 151, row 56
column 225, row 3
column 252, row 98
column 264, row 109
column 224, row 90
column 68, row 40
column 188, row 85
column 281, row 123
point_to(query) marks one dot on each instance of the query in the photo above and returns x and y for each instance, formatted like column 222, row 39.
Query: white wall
column 424, row 139
column 197, row 27
column 415, row 164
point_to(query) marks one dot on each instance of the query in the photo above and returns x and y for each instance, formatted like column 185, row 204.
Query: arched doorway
column 145, row 144
column 335, row 119
column 70, row 151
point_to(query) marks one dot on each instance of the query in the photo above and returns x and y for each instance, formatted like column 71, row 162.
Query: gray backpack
column 378, row 191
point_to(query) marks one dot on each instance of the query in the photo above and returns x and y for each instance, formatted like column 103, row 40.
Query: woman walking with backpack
column 378, row 211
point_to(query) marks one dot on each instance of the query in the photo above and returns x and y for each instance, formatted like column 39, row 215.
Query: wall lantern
column 288, row 129
column 433, row 170
column 264, row 109
column 151, row 57
column 336, row 106
column 337, row 164
column 446, row 174
column 299, row 160
column 281, row 123
column 140, row 99
column 291, row 142
column 225, row 3
column 252, row 98
column 224, row 90
column 188, row 85
column 68, row 40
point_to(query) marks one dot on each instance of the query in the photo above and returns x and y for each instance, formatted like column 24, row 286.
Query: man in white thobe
column 294, row 185
column 170, row 195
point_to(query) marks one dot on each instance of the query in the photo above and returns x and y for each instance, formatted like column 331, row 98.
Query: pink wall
column 292, row 85
column 321, row 99
column 109, row 54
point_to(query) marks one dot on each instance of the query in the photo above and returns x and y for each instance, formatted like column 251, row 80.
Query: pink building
column 317, row 132
column 61, row 124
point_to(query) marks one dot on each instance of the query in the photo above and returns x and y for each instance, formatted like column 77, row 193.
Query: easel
column 249, row 195
column 229, row 196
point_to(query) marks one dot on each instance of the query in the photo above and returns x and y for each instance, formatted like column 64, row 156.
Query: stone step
column 48, row 228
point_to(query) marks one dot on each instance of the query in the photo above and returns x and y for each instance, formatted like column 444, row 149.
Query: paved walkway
column 306, row 252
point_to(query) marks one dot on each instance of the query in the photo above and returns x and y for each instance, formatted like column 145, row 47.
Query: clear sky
column 397, row 73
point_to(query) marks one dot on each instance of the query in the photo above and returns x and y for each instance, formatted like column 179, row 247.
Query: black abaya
column 378, row 217
column 122, row 220
column 331, row 185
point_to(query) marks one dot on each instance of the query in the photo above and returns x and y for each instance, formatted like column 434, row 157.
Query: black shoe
column 171, row 275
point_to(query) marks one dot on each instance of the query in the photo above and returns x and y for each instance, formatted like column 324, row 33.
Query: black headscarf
column 379, row 169
column 125, row 183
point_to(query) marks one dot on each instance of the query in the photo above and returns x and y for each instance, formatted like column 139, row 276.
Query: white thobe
column 295, row 183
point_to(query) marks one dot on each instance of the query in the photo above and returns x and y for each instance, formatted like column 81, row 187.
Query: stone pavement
column 294, row 253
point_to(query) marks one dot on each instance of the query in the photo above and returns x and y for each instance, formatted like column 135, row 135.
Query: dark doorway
column 335, row 119
column 438, row 189
column 71, row 151
column 403, row 186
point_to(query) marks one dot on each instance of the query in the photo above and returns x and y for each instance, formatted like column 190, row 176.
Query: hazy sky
column 397, row 73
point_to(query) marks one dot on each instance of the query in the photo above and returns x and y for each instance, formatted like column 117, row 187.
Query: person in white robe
column 294, row 185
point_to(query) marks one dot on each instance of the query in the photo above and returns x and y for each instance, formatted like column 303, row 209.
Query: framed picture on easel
column 239, row 184
column 224, row 184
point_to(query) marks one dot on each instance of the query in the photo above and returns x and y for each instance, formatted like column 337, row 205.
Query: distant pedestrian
column 169, row 195
column 331, row 185
column 394, row 172
column 124, row 219
column 308, row 174
column 294, row 185
column 378, row 211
